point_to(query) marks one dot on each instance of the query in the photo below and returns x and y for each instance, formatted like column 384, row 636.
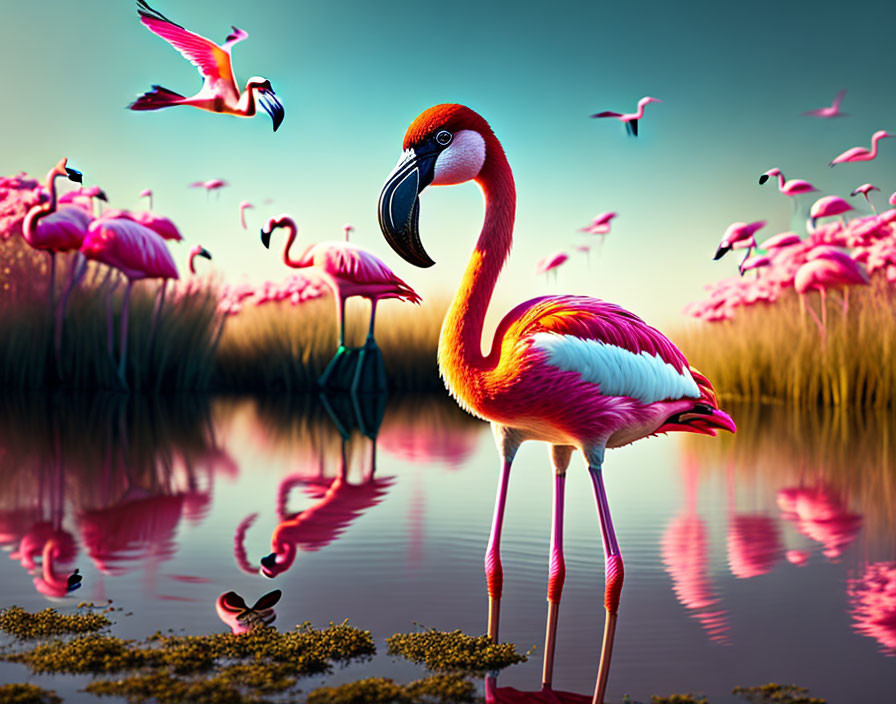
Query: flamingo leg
column 560, row 455
column 341, row 350
column 52, row 287
column 156, row 315
column 76, row 273
column 123, row 344
column 614, row 571
column 845, row 300
column 508, row 443
column 371, row 356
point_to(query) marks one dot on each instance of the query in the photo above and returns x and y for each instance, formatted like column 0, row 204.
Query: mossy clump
column 773, row 693
column 454, row 651
column 92, row 653
column 382, row 690
column 167, row 689
column 49, row 622
column 27, row 694
column 679, row 699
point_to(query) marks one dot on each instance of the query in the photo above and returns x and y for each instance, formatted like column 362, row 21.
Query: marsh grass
column 773, row 353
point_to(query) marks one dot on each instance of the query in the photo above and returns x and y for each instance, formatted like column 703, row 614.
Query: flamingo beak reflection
column 399, row 206
column 268, row 562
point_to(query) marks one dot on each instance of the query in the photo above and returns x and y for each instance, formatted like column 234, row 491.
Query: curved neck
column 460, row 345
column 246, row 105
column 874, row 140
column 781, row 182
column 42, row 209
column 639, row 113
column 290, row 225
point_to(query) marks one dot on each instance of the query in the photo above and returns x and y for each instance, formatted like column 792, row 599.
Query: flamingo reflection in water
column 754, row 541
column 240, row 617
column 685, row 550
column 510, row 695
column 872, row 604
column 820, row 513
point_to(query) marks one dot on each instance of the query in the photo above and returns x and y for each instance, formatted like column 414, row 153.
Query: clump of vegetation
column 49, row 622
column 381, row 690
column 92, row 653
column 773, row 693
column 166, row 689
column 679, row 699
column 454, row 651
column 27, row 694
column 771, row 352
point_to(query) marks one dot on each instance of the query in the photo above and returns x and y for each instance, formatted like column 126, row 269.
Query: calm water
column 769, row 556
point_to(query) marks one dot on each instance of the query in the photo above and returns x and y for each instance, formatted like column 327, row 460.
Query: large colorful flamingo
column 860, row 153
column 350, row 271
column 630, row 119
column 219, row 91
column 832, row 111
column 572, row 371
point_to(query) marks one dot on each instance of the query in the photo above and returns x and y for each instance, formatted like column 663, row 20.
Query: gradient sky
column 734, row 78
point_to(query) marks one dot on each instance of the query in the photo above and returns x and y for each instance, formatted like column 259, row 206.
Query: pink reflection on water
column 872, row 604
column 510, row 695
column 754, row 541
column 820, row 513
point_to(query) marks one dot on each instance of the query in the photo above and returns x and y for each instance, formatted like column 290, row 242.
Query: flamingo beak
column 721, row 251
column 399, row 206
column 268, row 562
column 266, row 237
column 74, row 175
column 271, row 105
column 102, row 196
column 763, row 179
column 203, row 252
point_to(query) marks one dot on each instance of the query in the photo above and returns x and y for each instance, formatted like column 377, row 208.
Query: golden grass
column 772, row 352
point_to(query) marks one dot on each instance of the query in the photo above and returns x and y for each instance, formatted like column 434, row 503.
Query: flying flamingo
column 551, row 263
column 137, row 252
column 214, row 184
column 219, row 91
column 586, row 250
column 832, row 111
column 572, row 371
column 243, row 206
column 147, row 193
column 197, row 251
column 865, row 189
column 630, row 119
column 600, row 221
column 350, row 271
column 739, row 235
column 793, row 187
column 860, row 153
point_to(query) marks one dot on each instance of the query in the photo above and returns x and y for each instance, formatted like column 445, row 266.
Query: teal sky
column 734, row 78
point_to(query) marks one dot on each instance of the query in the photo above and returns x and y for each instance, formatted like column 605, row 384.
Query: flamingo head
column 62, row 170
column 198, row 251
column 768, row 174
column 446, row 145
column 271, row 225
column 880, row 134
column 245, row 204
column 279, row 561
column 268, row 100
column 647, row 99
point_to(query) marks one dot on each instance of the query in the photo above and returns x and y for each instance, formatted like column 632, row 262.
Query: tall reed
column 770, row 352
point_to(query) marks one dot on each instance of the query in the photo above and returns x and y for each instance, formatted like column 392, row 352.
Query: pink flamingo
column 586, row 250
column 240, row 617
column 781, row 241
column 892, row 199
column 739, row 235
column 793, row 187
column 572, row 371
column 832, row 111
column 551, row 263
column 347, row 229
column 865, row 189
column 146, row 193
column 219, row 91
column 83, row 198
column 630, row 119
column 828, row 206
column 243, row 206
column 350, row 271
column 138, row 253
column 213, row 184
column 823, row 273
column 197, row 251
column 820, row 513
column 860, row 153
column 872, row 601
column 600, row 221
column 758, row 262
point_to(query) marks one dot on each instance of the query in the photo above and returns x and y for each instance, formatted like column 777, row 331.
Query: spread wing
column 607, row 113
column 212, row 61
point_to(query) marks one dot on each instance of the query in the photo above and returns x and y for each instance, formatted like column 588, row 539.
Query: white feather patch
column 462, row 160
column 618, row 371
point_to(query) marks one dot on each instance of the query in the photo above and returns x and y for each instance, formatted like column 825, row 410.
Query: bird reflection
column 685, row 551
column 820, row 513
column 754, row 541
column 242, row 618
column 510, row 695
column 872, row 604
column 337, row 502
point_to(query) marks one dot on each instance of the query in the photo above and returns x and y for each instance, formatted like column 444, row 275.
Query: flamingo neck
column 460, row 343
column 41, row 210
column 781, row 182
column 874, row 140
column 246, row 105
column 640, row 112
column 290, row 224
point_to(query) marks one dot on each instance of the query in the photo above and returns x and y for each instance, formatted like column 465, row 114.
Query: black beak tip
column 266, row 240
column 74, row 175
column 763, row 179
column 102, row 196
column 205, row 253
column 720, row 252
column 269, row 560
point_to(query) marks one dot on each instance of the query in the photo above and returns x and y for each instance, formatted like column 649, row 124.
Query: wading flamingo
column 350, row 271
column 550, row 263
column 138, row 253
column 860, row 153
column 219, row 91
column 572, row 371
column 739, row 235
column 630, row 119
column 865, row 189
column 793, row 187
column 243, row 206
column 832, row 111
column 147, row 193
column 827, row 271
column 827, row 207
column 213, row 184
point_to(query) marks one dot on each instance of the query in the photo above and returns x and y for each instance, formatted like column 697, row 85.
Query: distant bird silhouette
column 630, row 119
column 832, row 111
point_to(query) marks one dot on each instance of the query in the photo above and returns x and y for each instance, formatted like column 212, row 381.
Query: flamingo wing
column 212, row 61
column 235, row 37
column 607, row 113
column 838, row 99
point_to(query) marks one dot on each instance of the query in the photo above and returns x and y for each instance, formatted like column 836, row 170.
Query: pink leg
column 614, row 572
column 824, row 307
column 560, row 455
column 845, row 300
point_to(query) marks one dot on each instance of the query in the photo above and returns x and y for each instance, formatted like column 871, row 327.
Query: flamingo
column 219, row 91
column 350, row 271
column 827, row 271
column 832, row 111
column 630, row 119
column 757, row 262
column 240, row 617
column 572, row 371
column 347, row 229
column 197, row 251
column 860, row 153
column 781, row 240
column 739, row 235
column 865, row 189
column 551, row 263
column 213, row 184
column 137, row 252
column 146, row 193
column 599, row 222
column 828, row 206
column 793, row 187
column 243, row 206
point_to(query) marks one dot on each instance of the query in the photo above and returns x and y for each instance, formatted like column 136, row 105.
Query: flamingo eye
column 444, row 138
